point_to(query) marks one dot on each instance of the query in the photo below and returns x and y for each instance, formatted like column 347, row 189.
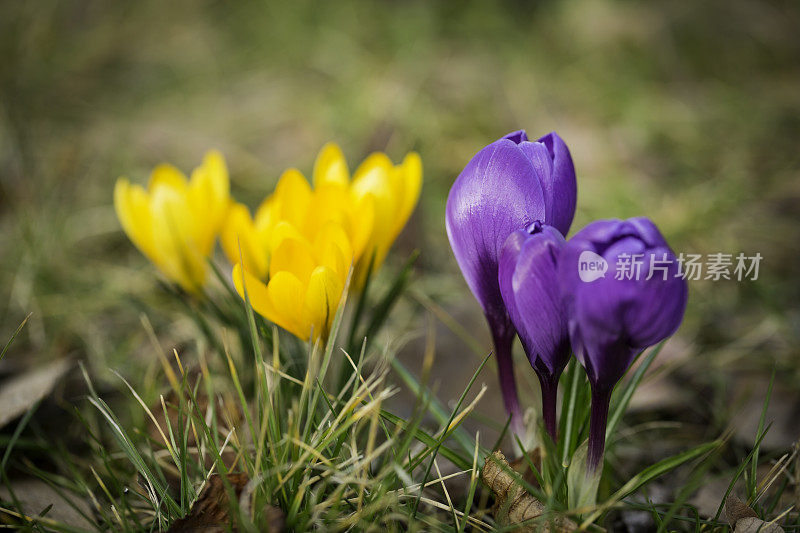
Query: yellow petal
column 257, row 293
column 132, row 205
column 287, row 295
column 240, row 241
column 359, row 225
column 208, row 196
column 330, row 202
column 374, row 179
column 267, row 216
column 330, row 166
column 410, row 174
column 291, row 197
column 166, row 175
column 217, row 171
column 332, row 249
column 283, row 230
column 322, row 300
column 205, row 220
column 174, row 237
column 292, row 255
column 373, row 173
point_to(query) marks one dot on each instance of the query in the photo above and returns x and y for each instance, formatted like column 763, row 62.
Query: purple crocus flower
column 623, row 292
column 528, row 276
column 506, row 187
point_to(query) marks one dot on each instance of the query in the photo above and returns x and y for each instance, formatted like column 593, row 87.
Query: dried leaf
column 735, row 510
column 745, row 520
column 522, row 466
column 521, row 506
column 756, row 525
column 21, row 392
column 211, row 512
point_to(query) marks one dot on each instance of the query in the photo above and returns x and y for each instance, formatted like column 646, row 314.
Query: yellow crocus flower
column 305, row 282
column 393, row 190
column 308, row 210
column 372, row 208
column 368, row 213
column 175, row 221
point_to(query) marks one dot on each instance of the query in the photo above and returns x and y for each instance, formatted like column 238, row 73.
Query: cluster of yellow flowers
column 293, row 257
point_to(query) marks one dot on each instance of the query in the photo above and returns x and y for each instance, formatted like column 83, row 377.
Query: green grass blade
column 752, row 482
column 628, row 389
column 14, row 336
column 446, row 430
column 436, row 407
column 387, row 302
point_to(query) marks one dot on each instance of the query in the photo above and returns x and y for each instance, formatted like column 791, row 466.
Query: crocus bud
column 623, row 292
column 507, row 186
column 528, row 275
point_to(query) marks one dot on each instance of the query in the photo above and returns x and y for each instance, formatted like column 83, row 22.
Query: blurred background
column 686, row 112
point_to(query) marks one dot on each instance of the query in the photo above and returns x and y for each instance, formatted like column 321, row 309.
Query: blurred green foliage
column 687, row 112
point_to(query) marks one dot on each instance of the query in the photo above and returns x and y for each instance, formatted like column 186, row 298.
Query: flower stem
column 503, row 338
column 601, row 398
column 549, row 388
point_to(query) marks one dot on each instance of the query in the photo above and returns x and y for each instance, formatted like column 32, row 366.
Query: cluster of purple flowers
column 507, row 216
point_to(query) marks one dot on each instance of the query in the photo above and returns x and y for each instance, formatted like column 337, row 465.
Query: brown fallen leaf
column 745, row 520
column 21, row 392
column 522, row 466
column 735, row 510
column 756, row 525
column 210, row 513
column 513, row 505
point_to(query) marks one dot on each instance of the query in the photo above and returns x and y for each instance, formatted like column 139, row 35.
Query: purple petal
column 529, row 284
column 644, row 228
column 599, row 233
column 560, row 185
column 497, row 193
column 516, row 136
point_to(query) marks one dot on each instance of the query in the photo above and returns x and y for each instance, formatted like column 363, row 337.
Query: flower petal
column 132, row 205
column 332, row 249
column 174, row 236
column 529, row 284
column 322, row 300
column 166, row 175
column 291, row 197
column 295, row 256
column 410, row 177
column 287, row 295
column 330, row 202
column 516, row 136
column 240, row 241
column 375, row 178
column 560, row 185
column 257, row 293
column 360, row 223
column 331, row 166
column 497, row 193
column 283, row 230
